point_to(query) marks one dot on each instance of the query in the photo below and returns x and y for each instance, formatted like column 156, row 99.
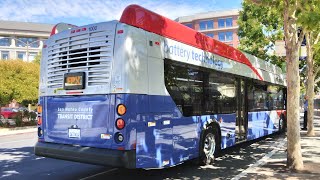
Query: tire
column 209, row 147
column 282, row 123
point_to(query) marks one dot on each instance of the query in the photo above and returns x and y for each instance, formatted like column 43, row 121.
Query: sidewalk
column 273, row 165
column 17, row 130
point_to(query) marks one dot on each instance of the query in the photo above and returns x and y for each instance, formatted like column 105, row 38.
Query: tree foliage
column 259, row 28
column 291, row 11
column 311, row 26
column 19, row 80
column 37, row 59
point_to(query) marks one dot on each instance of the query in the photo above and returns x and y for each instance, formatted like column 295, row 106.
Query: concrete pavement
column 273, row 165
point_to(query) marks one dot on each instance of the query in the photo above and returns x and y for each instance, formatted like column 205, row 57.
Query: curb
column 17, row 130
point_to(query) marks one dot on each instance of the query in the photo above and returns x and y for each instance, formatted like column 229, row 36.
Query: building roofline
column 25, row 26
column 208, row 15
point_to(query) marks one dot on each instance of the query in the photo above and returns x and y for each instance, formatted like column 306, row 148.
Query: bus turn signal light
column 121, row 109
column 39, row 109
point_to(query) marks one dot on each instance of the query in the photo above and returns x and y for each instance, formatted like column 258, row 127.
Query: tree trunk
column 294, row 156
column 310, row 85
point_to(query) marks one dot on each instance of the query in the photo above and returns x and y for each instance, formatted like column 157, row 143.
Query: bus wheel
column 282, row 124
column 208, row 146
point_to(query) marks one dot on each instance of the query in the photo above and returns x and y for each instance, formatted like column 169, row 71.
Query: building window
column 229, row 36
column 4, row 55
column 189, row 25
column 206, row 25
column 222, row 36
column 21, row 55
column 209, row 34
column 222, row 23
column 229, row 22
column 5, row 41
column 30, row 41
column 32, row 55
column 225, row 36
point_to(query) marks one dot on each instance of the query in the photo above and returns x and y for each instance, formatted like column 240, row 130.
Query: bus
column 149, row 92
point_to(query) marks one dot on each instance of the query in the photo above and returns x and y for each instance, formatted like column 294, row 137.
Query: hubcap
column 209, row 147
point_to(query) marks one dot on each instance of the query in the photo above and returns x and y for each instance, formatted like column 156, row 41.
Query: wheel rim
column 209, row 147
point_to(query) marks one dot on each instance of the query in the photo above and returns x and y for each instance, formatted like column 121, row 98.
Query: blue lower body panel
column 156, row 131
column 262, row 123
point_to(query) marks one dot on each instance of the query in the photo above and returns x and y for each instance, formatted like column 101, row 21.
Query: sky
column 81, row 12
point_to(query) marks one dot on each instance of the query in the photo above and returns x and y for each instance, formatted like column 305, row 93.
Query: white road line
column 261, row 162
column 17, row 141
column 104, row 172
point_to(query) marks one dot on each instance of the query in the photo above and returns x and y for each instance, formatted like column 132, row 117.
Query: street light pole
column 25, row 43
column 27, row 51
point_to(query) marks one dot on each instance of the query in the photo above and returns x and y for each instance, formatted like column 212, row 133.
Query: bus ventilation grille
column 87, row 52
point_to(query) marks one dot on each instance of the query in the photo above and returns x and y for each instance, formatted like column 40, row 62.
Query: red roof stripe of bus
column 140, row 17
column 53, row 31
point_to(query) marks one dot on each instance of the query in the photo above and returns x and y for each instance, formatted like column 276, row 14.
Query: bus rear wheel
column 209, row 146
column 282, row 123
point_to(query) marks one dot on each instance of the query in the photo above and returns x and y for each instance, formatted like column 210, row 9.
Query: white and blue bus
column 148, row 92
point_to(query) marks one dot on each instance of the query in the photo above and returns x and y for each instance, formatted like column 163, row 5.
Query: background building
column 22, row 40
column 221, row 25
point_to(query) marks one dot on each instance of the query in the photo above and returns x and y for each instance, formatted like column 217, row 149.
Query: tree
column 37, row 59
column 19, row 80
column 259, row 28
column 311, row 27
column 291, row 10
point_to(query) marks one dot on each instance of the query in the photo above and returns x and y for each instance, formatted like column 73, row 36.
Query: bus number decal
column 93, row 28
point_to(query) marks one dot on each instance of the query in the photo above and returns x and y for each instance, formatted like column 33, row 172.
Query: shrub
column 18, row 119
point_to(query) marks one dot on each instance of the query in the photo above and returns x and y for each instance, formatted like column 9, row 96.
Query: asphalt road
column 17, row 161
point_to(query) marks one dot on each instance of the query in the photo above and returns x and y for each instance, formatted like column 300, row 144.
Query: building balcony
column 219, row 29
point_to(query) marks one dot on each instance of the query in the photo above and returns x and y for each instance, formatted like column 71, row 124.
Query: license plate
column 74, row 80
column 74, row 133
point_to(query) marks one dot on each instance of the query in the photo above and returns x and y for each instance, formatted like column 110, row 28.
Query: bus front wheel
column 209, row 146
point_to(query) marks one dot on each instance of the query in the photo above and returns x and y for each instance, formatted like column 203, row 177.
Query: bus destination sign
column 73, row 81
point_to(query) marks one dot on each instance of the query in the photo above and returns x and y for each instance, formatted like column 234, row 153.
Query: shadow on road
column 230, row 163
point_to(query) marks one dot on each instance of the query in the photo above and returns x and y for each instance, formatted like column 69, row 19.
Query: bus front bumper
column 97, row 156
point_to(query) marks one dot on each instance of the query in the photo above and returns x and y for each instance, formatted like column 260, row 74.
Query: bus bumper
column 97, row 156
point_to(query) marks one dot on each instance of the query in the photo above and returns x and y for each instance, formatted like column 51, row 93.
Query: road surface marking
column 261, row 162
column 104, row 172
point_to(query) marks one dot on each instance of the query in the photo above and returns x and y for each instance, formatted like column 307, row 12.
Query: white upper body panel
column 119, row 58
